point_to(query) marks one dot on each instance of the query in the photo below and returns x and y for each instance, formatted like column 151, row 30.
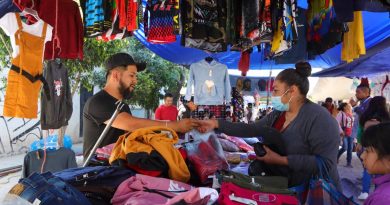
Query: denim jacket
column 211, row 83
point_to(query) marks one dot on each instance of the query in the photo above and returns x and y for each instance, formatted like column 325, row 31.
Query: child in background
column 376, row 159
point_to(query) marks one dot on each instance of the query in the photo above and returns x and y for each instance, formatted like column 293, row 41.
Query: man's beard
column 125, row 91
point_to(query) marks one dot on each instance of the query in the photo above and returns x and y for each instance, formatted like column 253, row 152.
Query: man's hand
column 272, row 157
column 185, row 125
column 352, row 102
column 207, row 125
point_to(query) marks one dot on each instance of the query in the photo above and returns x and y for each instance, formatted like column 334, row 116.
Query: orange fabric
column 153, row 138
column 21, row 97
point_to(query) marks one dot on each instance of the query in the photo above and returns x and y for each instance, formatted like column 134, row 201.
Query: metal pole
column 101, row 137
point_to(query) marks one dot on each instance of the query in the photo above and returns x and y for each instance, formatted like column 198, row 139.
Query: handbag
column 322, row 190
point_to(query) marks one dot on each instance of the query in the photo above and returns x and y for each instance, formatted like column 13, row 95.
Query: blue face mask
column 277, row 103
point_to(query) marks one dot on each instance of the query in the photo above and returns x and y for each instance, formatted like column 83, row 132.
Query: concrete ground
column 349, row 176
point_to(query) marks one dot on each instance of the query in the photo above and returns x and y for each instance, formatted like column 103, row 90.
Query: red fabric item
column 132, row 16
column 69, row 30
column 145, row 172
column 166, row 113
column 243, row 64
column 183, row 153
column 364, row 81
column 347, row 123
column 280, row 122
column 228, row 189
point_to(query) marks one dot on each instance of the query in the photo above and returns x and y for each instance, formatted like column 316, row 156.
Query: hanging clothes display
column 97, row 17
column 23, row 83
column 57, row 111
column 65, row 18
column 204, row 24
column 159, row 18
column 324, row 31
column 211, row 83
column 353, row 41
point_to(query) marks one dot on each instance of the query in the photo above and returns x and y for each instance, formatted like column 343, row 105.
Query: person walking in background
column 376, row 112
column 167, row 111
column 330, row 106
column 345, row 120
column 376, row 159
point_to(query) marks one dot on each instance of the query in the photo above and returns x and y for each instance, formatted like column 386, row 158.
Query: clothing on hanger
column 23, row 86
column 211, row 83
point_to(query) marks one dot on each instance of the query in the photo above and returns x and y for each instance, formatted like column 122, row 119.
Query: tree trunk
column 76, row 84
column 179, row 85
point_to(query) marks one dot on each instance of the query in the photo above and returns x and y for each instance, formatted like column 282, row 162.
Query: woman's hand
column 272, row 157
column 207, row 125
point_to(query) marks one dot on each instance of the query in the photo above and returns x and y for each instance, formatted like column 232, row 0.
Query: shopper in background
column 345, row 120
column 308, row 130
column 167, row 111
column 375, row 112
column 376, row 159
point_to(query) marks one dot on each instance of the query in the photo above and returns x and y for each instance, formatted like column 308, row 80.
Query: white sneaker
column 363, row 196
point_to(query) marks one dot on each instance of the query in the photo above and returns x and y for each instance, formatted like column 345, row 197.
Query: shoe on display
column 363, row 196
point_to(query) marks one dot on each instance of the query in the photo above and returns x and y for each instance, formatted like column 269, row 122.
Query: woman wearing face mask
column 308, row 130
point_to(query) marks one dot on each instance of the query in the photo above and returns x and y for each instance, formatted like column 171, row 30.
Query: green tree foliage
column 160, row 74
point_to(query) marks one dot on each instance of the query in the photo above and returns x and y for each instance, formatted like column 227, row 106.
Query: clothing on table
column 353, row 41
column 160, row 16
column 313, row 132
column 211, row 83
column 166, row 113
column 97, row 110
column 137, row 149
column 23, row 83
column 57, row 111
column 7, row 6
column 381, row 195
column 54, row 161
column 204, row 24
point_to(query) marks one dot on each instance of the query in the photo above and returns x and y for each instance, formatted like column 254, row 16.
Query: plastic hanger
column 31, row 12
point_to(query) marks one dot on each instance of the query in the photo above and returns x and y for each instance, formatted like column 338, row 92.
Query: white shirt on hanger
column 9, row 24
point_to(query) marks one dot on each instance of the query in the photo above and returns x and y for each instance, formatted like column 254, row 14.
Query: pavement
column 349, row 176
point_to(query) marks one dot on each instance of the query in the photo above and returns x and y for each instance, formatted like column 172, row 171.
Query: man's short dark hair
column 364, row 87
column 328, row 99
column 168, row 95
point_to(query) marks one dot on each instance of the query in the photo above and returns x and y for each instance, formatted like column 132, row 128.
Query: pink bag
column 232, row 194
column 142, row 189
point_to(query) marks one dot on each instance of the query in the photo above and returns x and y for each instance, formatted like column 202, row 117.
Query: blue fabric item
column 211, row 82
column 347, row 146
column 110, row 176
column 376, row 29
column 49, row 190
column 374, row 62
column 366, row 181
column 7, row 6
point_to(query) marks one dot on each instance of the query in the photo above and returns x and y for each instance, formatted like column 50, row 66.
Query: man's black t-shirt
column 97, row 110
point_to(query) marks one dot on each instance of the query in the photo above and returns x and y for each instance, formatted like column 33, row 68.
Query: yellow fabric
column 277, row 38
column 21, row 95
column 353, row 42
column 148, row 139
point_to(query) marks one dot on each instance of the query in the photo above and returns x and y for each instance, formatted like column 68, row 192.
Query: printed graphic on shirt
column 58, row 87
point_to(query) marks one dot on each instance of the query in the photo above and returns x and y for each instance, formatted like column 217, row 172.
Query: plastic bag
column 206, row 156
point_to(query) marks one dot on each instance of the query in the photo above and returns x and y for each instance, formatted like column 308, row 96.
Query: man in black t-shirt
column 121, row 79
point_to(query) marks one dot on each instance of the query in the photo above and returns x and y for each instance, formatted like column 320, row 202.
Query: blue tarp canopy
column 375, row 61
column 376, row 29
